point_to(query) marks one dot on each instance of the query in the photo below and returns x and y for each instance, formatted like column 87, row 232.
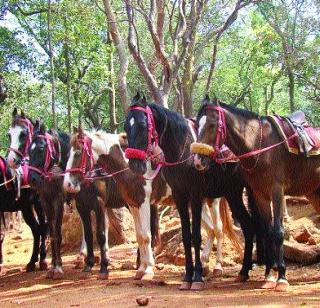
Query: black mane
column 239, row 111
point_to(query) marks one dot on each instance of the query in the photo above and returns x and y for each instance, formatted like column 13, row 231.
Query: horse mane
column 64, row 139
column 175, row 122
column 16, row 118
column 239, row 111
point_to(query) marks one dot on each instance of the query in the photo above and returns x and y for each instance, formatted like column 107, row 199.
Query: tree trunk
column 112, row 92
column 67, row 63
column 118, row 42
column 291, row 90
column 53, row 85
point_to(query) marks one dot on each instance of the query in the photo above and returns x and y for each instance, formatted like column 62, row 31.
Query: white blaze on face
column 67, row 180
column 14, row 134
column 202, row 123
column 131, row 122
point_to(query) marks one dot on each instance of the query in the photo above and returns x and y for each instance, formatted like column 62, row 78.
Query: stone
column 142, row 300
column 302, row 234
column 301, row 253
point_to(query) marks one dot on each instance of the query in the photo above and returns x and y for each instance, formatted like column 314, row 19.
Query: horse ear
column 144, row 101
column 135, row 99
column 206, row 100
column 42, row 128
column 123, row 139
column 14, row 112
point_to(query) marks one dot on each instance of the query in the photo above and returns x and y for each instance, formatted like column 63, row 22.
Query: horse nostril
column 69, row 184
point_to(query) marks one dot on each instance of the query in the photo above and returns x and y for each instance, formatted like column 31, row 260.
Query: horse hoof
column 282, row 285
column 217, row 272
column 185, row 286
column 43, row 265
column 31, row 267
column 197, row 286
column 103, row 276
column 205, row 271
column 49, row 274
column 138, row 275
column 147, row 276
column 57, row 274
column 241, row 278
column 269, row 285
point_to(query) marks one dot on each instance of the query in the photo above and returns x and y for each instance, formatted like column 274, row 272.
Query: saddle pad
column 285, row 131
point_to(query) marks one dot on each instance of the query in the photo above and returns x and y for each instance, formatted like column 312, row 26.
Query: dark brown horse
column 270, row 173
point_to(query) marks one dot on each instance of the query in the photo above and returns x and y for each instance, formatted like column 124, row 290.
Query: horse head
column 20, row 136
column 141, row 134
column 45, row 151
column 211, row 133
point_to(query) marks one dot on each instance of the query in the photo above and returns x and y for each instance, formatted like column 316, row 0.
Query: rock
column 301, row 253
column 314, row 239
column 302, row 234
column 127, row 266
column 142, row 300
column 14, row 270
column 160, row 266
column 179, row 260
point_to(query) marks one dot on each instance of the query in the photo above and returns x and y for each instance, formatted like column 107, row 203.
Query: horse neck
column 63, row 142
column 243, row 134
column 174, row 135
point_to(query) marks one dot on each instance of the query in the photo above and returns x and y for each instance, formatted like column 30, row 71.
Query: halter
column 27, row 124
column 86, row 156
column 132, row 153
column 49, row 156
column 221, row 130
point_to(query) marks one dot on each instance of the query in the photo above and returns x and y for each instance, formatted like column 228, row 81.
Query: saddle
column 307, row 141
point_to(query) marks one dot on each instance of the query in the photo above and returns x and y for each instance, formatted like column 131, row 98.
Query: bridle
column 50, row 156
column 86, row 156
column 153, row 140
column 221, row 134
column 26, row 123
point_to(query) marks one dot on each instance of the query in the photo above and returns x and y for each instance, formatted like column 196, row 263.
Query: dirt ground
column 18, row 288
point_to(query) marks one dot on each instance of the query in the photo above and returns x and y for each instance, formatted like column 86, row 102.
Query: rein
column 27, row 124
column 132, row 153
column 221, row 136
column 49, row 156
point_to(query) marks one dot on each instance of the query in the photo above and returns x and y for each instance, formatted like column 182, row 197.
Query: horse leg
column 43, row 226
column 31, row 221
column 218, row 230
column 1, row 241
column 278, row 204
column 207, row 220
column 196, row 209
column 241, row 214
column 141, row 218
column 182, row 206
column 58, row 272
column 87, row 229
column 102, row 220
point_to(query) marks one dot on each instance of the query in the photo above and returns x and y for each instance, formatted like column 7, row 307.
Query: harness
column 27, row 124
column 221, row 134
column 153, row 141
column 50, row 156
column 86, row 156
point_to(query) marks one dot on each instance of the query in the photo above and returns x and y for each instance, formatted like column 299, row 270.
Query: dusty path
column 32, row 289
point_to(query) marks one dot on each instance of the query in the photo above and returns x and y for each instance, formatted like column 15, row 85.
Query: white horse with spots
column 106, row 150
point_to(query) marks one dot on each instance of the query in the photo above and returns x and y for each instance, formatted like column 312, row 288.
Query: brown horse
column 269, row 169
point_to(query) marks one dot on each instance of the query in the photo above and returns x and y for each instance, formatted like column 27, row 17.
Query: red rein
column 50, row 155
column 221, row 137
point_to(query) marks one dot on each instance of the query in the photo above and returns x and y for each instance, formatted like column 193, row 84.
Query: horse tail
column 228, row 226
column 154, row 224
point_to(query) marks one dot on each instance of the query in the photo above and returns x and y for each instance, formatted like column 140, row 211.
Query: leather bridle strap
column 153, row 139
column 221, row 129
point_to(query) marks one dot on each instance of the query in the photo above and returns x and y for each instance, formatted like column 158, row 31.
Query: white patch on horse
column 33, row 146
column 102, row 143
column 202, row 123
column 193, row 133
column 15, row 142
column 131, row 122
column 67, row 180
